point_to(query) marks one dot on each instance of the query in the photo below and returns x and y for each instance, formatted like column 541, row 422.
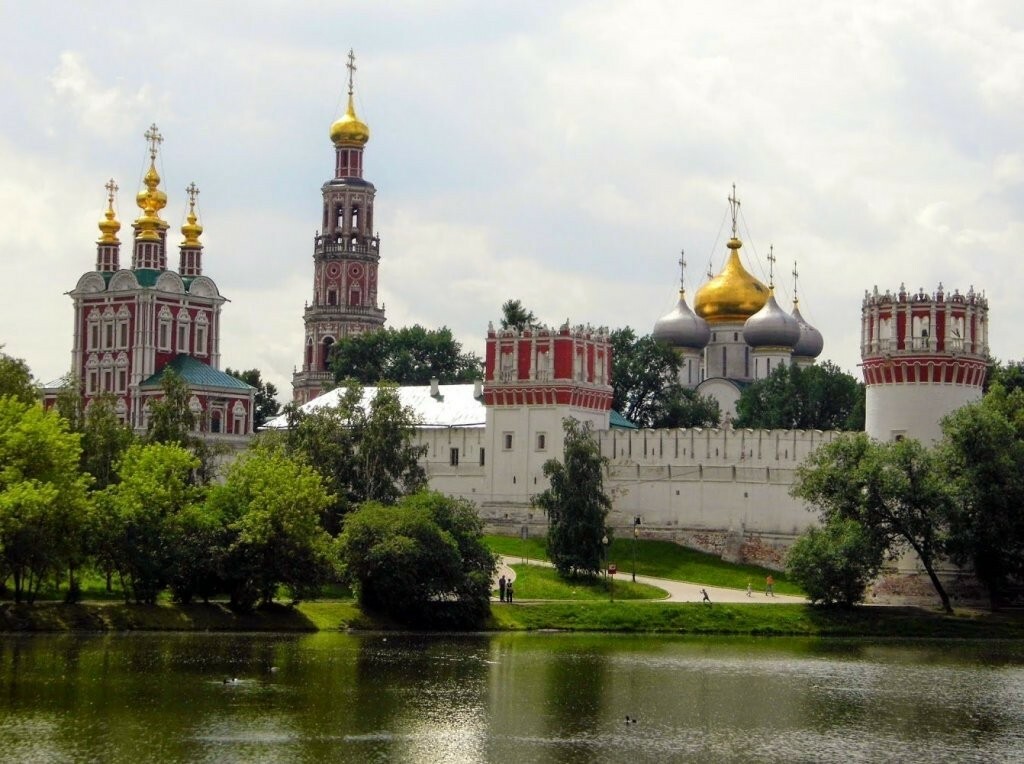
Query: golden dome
column 151, row 200
column 109, row 226
column 349, row 130
column 733, row 295
column 191, row 229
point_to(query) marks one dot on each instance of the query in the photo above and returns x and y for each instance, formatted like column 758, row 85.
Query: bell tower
column 346, row 253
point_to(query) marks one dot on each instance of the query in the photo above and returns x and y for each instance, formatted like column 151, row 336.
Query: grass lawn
column 537, row 583
column 661, row 559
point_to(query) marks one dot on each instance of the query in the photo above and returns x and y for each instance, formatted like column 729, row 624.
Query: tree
column 981, row 458
column 820, row 397
column 270, row 505
column 576, row 503
column 44, row 506
column 422, row 561
column 172, row 421
column 646, row 389
column 363, row 454
column 893, row 490
column 267, row 406
column 515, row 316
column 834, row 564
column 139, row 514
column 16, row 380
column 1009, row 375
column 411, row 355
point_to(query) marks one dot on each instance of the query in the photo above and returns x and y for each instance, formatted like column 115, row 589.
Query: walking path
column 678, row 591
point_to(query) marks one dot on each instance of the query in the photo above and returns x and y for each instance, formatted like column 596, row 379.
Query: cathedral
column 134, row 324
column 737, row 332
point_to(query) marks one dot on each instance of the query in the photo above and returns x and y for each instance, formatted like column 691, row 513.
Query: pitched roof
column 617, row 421
column 197, row 374
column 454, row 406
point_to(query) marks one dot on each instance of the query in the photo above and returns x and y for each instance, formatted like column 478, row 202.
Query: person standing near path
column 501, row 588
column 508, row 591
column 750, row 588
column 769, row 586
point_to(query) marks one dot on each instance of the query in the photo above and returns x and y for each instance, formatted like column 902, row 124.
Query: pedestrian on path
column 508, row 591
column 769, row 586
column 501, row 588
column 704, row 594
column 750, row 588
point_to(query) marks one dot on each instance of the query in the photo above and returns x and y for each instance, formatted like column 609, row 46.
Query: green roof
column 197, row 374
column 146, row 276
column 615, row 419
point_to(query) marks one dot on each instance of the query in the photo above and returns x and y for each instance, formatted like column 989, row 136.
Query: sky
column 559, row 153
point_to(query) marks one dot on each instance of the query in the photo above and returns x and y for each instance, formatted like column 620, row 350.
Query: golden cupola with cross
column 349, row 130
column 733, row 295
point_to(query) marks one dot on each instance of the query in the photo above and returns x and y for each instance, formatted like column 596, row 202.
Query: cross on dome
column 795, row 275
column 682, row 269
column 734, row 207
column 771, row 266
column 154, row 138
column 193, row 192
column 112, row 189
column 351, row 68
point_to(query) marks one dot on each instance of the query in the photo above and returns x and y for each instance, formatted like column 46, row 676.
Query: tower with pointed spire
column 133, row 324
column 346, row 254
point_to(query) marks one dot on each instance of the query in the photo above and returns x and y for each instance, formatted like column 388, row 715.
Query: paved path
column 678, row 591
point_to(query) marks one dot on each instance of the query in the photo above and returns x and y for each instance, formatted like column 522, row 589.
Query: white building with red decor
column 132, row 324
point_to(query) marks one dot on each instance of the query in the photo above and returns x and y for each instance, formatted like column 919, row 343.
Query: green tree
column 981, row 458
column 411, row 355
column 646, row 389
column 172, row 421
column 515, row 316
column 271, row 505
column 894, row 490
column 44, row 506
column 835, row 563
column 422, row 562
column 819, row 397
column 1009, row 375
column 267, row 406
column 576, row 504
column 139, row 514
column 362, row 453
column 16, row 380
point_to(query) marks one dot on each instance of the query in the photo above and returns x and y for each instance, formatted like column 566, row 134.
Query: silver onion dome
column 682, row 328
column 810, row 343
column 771, row 327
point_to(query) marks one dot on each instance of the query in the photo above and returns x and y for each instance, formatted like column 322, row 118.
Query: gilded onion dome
column 811, row 342
column 680, row 328
column 151, row 199
column 733, row 295
column 771, row 326
column 349, row 130
column 191, row 229
column 110, row 225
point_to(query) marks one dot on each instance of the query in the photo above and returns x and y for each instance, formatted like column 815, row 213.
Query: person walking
column 502, row 583
column 769, row 586
column 750, row 588
column 704, row 594
column 508, row 591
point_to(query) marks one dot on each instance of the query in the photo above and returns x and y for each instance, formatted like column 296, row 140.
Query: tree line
column 340, row 496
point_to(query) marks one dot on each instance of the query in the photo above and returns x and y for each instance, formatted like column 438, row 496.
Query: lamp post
column 636, row 532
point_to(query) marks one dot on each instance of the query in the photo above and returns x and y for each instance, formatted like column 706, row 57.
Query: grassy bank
column 537, row 583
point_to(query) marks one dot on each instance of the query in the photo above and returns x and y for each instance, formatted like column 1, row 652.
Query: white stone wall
column 913, row 410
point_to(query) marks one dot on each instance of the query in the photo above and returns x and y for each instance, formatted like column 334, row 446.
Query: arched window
column 309, row 353
column 325, row 359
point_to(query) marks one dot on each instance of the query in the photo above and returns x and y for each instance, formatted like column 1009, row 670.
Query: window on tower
column 326, row 360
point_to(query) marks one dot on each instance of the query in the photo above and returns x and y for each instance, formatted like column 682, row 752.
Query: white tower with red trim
column 534, row 379
column 924, row 356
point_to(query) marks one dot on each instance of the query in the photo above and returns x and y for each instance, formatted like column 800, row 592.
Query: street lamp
column 636, row 532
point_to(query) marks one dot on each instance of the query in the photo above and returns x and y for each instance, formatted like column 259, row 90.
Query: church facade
column 133, row 324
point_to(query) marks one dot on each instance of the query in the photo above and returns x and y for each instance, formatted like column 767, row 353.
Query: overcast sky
column 561, row 153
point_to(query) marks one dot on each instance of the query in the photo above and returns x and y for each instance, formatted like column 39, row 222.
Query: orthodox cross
column 351, row 68
column 682, row 268
column 795, row 274
column 155, row 139
column 193, row 192
column 771, row 266
column 734, row 206
column 111, row 187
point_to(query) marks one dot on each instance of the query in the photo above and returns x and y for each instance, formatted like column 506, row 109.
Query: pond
column 506, row 698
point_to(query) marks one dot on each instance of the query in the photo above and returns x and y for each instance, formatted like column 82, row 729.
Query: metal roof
column 197, row 374
column 454, row 405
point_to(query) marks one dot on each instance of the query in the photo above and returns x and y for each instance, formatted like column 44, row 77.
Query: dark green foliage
column 266, row 403
column 645, row 386
column 982, row 460
column 411, row 355
column 893, row 490
column 422, row 562
column 172, row 422
column 515, row 316
column 1010, row 376
column 820, row 397
column 104, row 441
column 362, row 454
column 16, row 380
column 835, row 563
column 576, row 504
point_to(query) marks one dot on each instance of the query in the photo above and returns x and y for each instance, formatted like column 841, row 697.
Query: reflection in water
column 505, row 698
